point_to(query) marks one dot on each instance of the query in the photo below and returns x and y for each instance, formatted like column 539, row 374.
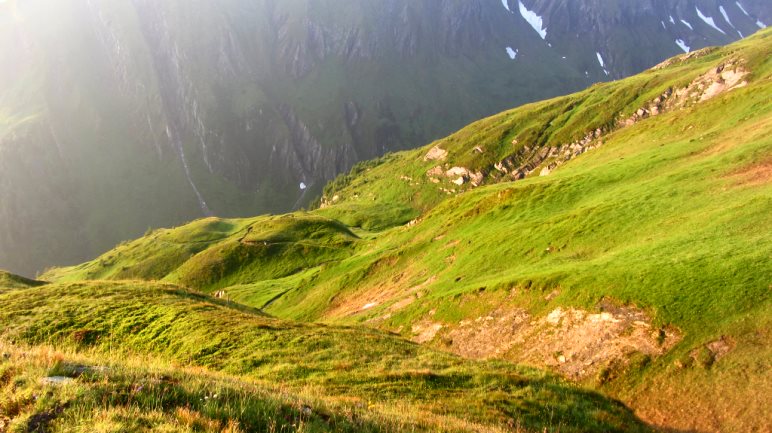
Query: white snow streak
column 682, row 45
column 672, row 21
column 742, row 8
column 534, row 20
column 686, row 23
column 512, row 53
column 758, row 22
column 303, row 186
column 728, row 21
column 663, row 25
column 506, row 4
column 708, row 20
column 602, row 63
column 177, row 143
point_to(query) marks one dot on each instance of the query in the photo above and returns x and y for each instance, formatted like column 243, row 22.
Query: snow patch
column 663, row 25
column 512, row 53
column 506, row 5
column 758, row 22
column 686, row 23
column 303, row 186
column 602, row 63
column 682, row 45
column 533, row 19
column 672, row 21
column 742, row 8
column 708, row 20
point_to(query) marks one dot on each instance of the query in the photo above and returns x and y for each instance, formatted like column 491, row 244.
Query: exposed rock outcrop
column 577, row 343
column 436, row 153
column 527, row 160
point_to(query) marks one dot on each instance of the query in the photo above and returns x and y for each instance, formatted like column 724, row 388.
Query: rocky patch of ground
column 576, row 343
column 436, row 153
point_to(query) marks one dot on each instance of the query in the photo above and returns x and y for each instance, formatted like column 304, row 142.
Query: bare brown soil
column 575, row 343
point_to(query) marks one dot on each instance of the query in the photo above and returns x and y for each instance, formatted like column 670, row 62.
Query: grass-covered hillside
column 618, row 237
column 10, row 281
column 249, row 372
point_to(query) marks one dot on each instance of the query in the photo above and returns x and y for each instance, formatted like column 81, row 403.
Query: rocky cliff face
column 625, row 37
column 135, row 113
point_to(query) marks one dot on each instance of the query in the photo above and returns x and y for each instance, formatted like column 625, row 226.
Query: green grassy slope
column 668, row 214
column 390, row 382
column 104, row 394
column 10, row 281
column 214, row 253
column 517, row 136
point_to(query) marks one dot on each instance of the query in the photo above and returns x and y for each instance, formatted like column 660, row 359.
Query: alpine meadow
column 599, row 261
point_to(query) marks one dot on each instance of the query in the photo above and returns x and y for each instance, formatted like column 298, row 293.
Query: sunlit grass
column 384, row 373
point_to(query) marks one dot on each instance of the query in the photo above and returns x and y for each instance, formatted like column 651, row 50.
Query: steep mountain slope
column 619, row 236
column 343, row 368
column 119, row 116
column 621, row 38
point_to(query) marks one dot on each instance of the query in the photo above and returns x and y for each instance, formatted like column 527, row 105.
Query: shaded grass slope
column 11, row 281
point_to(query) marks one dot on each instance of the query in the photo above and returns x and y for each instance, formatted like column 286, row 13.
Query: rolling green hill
column 11, row 281
column 305, row 377
column 618, row 236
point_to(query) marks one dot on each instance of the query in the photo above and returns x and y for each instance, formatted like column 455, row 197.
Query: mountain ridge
column 121, row 108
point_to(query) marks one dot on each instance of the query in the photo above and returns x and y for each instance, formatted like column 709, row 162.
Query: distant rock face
column 624, row 38
column 119, row 116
